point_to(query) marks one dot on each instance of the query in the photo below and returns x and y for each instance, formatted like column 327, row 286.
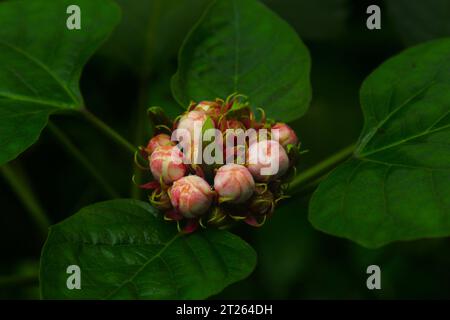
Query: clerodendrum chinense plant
column 394, row 186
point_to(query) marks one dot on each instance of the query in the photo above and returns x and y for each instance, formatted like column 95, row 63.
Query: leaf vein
column 43, row 67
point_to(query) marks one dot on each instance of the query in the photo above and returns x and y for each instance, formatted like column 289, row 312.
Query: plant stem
column 309, row 187
column 76, row 153
column 108, row 131
column 320, row 169
column 138, row 136
column 22, row 189
column 17, row 280
column 144, row 87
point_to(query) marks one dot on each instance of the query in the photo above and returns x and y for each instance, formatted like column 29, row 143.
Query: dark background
column 132, row 71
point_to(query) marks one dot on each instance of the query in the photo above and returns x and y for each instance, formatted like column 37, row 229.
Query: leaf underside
column 125, row 251
column 397, row 184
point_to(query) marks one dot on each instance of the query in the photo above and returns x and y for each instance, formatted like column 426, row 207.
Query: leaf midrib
column 21, row 98
column 365, row 141
column 44, row 67
column 157, row 255
column 397, row 143
column 368, row 138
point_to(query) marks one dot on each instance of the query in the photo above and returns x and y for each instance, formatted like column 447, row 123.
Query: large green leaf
column 41, row 62
column 241, row 46
column 125, row 251
column 418, row 21
column 397, row 184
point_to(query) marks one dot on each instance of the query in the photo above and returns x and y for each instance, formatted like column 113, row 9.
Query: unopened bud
column 267, row 160
column 191, row 196
column 284, row 134
column 166, row 164
column 234, row 183
column 157, row 141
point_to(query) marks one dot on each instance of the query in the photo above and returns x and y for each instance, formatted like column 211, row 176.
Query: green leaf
column 418, row 21
column 241, row 46
column 41, row 62
column 125, row 251
column 396, row 185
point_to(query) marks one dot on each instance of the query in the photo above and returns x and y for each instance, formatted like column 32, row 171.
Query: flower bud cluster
column 245, row 186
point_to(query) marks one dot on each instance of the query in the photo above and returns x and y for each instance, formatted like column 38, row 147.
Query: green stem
column 319, row 169
column 76, row 153
column 18, row 280
column 18, row 182
column 143, row 95
column 139, row 135
column 108, row 131
column 309, row 187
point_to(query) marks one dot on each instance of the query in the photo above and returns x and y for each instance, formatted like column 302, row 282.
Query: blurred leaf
column 419, row 21
column 160, row 95
column 396, row 185
column 41, row 64
column 316, row 20
column 125, row 251
column 241, row 46
column 22, row 283
column 151, row 31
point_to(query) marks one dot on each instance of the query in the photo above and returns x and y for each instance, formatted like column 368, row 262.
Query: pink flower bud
column 157, row 141
column 235, row 154
column 192, row 119
column 191, row 196
column 285, row 134
column 190, row 130
column 234, row 183
column 210, row 108
column 267, row 160
column 166, row 163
